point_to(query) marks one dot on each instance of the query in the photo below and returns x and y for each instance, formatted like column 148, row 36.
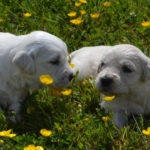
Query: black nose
column 106, row 81
column 71, row 76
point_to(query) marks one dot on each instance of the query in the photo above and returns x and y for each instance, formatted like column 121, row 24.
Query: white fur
column 124, row 71
column 24, row 58
column 86, row 60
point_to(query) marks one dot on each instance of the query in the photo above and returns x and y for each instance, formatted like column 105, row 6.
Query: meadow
column 75, row 120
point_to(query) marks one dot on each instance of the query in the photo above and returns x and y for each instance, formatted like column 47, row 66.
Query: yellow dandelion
column 82, row 1
column 72, row 14
column 27, row 15
column 106, row 118
column 30, row 110
column 1, row 20
column 86, row 119
column 30, row 147
column 83, row 12
column 145, row 23
column 107, row 4
column 94, row 15
column 46, row 79
column 108, row 98
column 146, row 132
column 46, row 132
column 77, row 4
column 71, row 65
column 67, row 92
column 56, row 92
column 7, row 133
column 76, row 21
column 39, row 148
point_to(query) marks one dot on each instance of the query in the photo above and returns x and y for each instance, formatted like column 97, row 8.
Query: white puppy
column 23, row 59
column 86, row 60
column 124, row 71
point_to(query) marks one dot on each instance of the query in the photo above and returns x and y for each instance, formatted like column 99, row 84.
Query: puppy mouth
column 107, row 91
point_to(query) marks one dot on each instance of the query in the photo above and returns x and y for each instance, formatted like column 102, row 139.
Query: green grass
column 76, row 120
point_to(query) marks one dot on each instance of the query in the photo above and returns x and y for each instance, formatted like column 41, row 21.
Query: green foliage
column 75, row 120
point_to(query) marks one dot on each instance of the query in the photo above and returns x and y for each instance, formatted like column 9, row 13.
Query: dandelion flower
column 107, row 4
column 83, row 12
column 71, row 65
column 46, row 79
column 76, row 21
column 46, row 132
column 146, row 132
column 94, row 15
column 67, row 92
column 72, row 14
column 82, row 1
column 106, row 118
column 77, row 4
column 1, row 20
column 30, row 147
column 27, row 15
column 145, row 23
column 7, row 133
column 108, row 98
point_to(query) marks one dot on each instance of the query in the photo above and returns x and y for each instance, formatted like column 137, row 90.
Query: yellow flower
column 83, row 12
column 46, row 132
column 39, row 148
column 67, row 92
column 56, row 92
column 106, row 118
column 94, row 15
column 107, row 4
column 77, row 4
column 76, row 21
column 145, row 23
column 72, row 14
column 27, row 15
column 1, row 20
column 71, row 65
column 86, row 119
column 146, row 132
column 30, row 147
column 7, row 133
column 46, row 79
column 30, row 110
column 108, row 98
column 82, row 1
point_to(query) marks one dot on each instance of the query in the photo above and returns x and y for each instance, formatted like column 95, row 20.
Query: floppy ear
column 146, row 69
column 24, row 61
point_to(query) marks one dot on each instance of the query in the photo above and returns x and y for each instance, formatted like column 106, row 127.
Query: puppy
column 23, row 59
column 124, row 72
column 86, row 60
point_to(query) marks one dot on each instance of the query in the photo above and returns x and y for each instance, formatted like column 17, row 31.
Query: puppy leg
column 120, row 118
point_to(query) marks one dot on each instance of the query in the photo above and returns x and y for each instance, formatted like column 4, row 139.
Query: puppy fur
column 24, row 58
column 87, row 59
column 124, row 71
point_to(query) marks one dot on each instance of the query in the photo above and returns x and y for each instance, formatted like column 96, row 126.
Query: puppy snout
column 71, row 75
column 106, row 81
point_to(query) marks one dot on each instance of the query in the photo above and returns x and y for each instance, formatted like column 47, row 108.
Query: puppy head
column 122, row 69
column 42, row 53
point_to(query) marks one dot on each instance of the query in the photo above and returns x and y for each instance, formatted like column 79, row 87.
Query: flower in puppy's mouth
column 108, row 98
column 71, row 65
column 46, row 79
column 146, row 132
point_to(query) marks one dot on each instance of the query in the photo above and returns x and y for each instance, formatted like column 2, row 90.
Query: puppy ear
column 24, row 62
column 146, row 70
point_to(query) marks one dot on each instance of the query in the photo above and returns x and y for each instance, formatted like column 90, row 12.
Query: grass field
column 75, row 121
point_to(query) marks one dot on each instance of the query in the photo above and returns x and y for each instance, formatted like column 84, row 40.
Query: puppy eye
column 54, row 62
column 126, row 69
column 100, row 66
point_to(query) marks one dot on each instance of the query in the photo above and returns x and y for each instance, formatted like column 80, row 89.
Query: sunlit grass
column 73, row 116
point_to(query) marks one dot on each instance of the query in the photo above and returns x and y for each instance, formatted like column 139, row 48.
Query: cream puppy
column 124, row 72
column 86, row 60
column 23, row 59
